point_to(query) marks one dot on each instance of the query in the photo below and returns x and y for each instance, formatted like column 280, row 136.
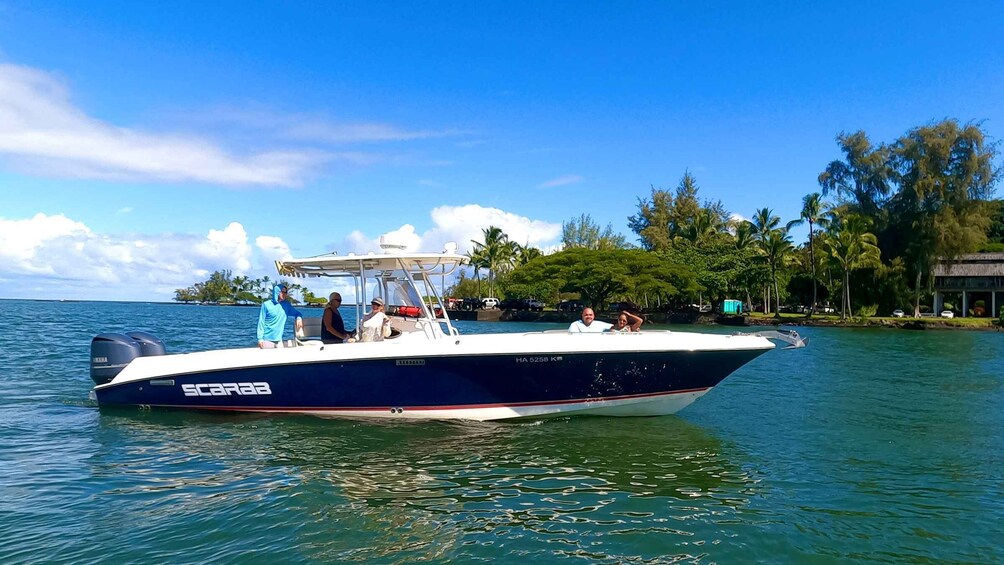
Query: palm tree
column 764, row 221
column 851, row 246
column 776, row 249
column 744, row 240
column 477, row 260
column 527, row 254
column 775, row 246
column 812, row 212
column 703, row 226
column 497, row 253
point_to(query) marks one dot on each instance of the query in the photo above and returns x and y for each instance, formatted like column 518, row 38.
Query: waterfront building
column 975, row 280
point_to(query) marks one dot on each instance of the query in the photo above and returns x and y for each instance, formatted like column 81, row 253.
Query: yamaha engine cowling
column 110, row 353
column 149, row 344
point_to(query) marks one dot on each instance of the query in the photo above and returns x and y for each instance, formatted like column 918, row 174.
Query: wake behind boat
column 426, row 369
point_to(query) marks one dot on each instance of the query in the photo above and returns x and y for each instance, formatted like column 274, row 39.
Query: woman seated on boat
column 376, row 325
column 627, row 322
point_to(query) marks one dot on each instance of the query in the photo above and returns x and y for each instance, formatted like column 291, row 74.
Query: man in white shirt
column 588, row 324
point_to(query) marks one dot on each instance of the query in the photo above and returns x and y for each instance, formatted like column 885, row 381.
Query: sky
column 145, row 145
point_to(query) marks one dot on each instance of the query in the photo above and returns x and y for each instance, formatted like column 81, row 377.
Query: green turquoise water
column 868, row 446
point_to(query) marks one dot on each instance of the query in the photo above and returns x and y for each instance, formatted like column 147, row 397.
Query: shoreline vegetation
column 758, row 319
column 885, row 216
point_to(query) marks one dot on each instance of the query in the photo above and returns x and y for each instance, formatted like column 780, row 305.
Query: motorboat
column 426, row 368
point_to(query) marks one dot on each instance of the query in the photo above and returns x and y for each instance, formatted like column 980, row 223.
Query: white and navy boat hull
column 475, row 377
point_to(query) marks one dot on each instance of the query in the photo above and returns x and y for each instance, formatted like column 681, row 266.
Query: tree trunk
column 812, row 261
column 843, row 299
column 777, row 295
column 847, row 291
column 916, row 296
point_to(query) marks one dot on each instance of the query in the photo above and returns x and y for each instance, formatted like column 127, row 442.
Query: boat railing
column 790, row 337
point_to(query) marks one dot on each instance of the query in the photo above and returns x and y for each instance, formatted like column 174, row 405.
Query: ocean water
column 869, row 446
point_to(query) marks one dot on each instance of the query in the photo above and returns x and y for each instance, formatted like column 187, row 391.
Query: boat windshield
column 399, row 290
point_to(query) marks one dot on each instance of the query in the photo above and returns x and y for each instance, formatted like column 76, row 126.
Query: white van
column 489, row 303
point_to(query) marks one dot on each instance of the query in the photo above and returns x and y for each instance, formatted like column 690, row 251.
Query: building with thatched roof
column 976, row 278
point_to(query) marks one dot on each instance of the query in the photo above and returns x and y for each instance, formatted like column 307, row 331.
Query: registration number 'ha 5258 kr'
column 539, row 359
column 226, row 389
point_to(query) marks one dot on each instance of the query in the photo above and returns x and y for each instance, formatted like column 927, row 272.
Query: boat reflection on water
column 441, row 489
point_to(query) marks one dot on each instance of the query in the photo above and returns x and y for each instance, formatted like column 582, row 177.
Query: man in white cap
column 375, row 325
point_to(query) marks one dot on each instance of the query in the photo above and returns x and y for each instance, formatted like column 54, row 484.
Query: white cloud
column 323, row 130
column 57, row 257
column 318, row 127
column 42, row 131
column 272, row 248
column 462, row 224
column 561, row 181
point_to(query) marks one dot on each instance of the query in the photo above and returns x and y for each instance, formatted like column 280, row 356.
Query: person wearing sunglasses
column 375, row 326
column 332, row 325
column 272, row 318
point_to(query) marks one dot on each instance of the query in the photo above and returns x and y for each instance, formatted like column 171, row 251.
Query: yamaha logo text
column 226, row 389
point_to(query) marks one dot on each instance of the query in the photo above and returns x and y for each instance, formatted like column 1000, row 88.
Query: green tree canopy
column 719, row 266
column 946, row 173
column 665, row 217
column 600, row 275
column 863, row 177
column 584, row 232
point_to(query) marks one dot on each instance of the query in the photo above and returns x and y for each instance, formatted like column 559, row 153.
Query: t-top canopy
column 355, row 265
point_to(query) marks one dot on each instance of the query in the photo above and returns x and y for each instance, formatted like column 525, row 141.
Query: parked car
column 490, row 303
column 511, row 304
column 947, row 314
column 569, row 306
column 897, row 313
column 534, row 305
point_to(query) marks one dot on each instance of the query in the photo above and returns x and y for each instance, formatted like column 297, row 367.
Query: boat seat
column 311, row 329
column 402, row 324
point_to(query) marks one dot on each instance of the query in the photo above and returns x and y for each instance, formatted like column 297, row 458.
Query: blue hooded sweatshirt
column 272, row 318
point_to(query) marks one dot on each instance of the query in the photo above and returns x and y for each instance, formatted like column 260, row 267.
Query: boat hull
column 477, row 387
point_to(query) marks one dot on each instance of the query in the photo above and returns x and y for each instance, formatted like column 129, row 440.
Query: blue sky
column 144, row 145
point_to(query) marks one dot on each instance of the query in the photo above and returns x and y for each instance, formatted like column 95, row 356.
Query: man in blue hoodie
column 272, row 318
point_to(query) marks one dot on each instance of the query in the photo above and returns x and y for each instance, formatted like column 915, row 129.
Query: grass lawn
column 879, row 320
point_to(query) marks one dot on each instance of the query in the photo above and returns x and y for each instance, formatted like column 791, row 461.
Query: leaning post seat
column 311, row 329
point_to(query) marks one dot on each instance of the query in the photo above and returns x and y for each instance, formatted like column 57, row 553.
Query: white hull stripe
column 349, row 409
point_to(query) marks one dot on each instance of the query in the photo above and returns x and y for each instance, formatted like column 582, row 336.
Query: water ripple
column 869, row 446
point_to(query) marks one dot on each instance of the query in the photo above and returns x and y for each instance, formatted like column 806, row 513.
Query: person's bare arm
column 634, row 321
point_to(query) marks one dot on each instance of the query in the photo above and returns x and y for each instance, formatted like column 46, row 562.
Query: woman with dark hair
column 627, row 322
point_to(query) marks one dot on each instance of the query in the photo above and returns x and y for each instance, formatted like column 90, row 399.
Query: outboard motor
column 149, row 343
column 111, row 352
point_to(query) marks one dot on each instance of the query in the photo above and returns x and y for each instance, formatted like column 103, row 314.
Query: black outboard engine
column 110, row 353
